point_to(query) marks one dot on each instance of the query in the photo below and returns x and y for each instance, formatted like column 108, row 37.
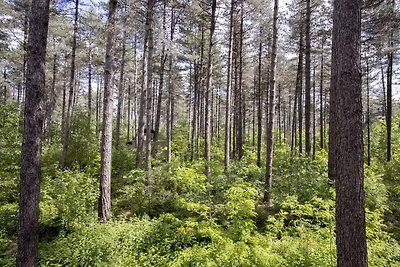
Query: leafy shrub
column 69, row 198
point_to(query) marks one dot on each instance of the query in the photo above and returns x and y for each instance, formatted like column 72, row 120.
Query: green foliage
column 10, row 153
column 84, row 147
column 299, row 175
column 68, row 199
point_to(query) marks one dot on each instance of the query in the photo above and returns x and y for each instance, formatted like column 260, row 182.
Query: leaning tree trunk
column 351, row 246
column 32, row 134
column 106, row 140
column 271, row 115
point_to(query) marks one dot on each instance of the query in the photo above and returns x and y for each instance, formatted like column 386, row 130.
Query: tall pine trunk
column 307, row 74
column 271, row 115
column 207, row 135
column 351, row 246
column 28, row 233
column 104, row 208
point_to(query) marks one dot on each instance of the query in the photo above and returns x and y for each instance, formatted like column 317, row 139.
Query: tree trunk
column 299, row 88
column 170, row 92
column 90, row 88
column 121, row 93
column 346, row 124
column 259, row 103
column 270, row 128
column 368, row 117
column 51, row 101
column 307, row 74
column 314, row 116
column 149, row 93
column 207, row 136
column 321, row 103
column 68, row 120
column 163, row 59
column 228, row 94
column 389, row 74
column 27, row 254
column 106, row 140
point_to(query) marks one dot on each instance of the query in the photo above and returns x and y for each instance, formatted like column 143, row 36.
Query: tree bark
column 207, row 136
column 299, row 88
column 121, row 93
column 106, row 140
column 346, row 124
column 31, row 146
column 259, row 103
column 149, row 93
column 389, row 74
column 163, row 59
column 307, row 74
column 321, row 103
column 228, row 94
column 271, row 115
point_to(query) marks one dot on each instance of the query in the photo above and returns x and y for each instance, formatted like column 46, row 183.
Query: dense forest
column 199, row 133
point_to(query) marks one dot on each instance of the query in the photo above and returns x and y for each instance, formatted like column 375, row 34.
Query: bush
column 68, row 199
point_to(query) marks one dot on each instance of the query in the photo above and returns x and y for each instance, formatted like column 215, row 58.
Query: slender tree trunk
column 314, row 117
column 121, row 93
column 194, row 117
column 207, row 136
column 106, row 140
column 241, row 100
column 27, row 254
column 142, row 102
column 321, row 102
column 299, row 87
column 259, row 103
column 90, row 88
column 171, row 81
column 294, row 122
column 228, row 94
column 149, row 93
column 51, row 101
column 270, row 128
column 279, row 115
column 307, row 74
column 368, row 117
column 389, row 74
column 383, row 91
column 163, row 59
column 68, row 120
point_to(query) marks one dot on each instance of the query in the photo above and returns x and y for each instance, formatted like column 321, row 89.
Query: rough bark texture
column 106, row 140
column 270, row 128
column 32, row 133
column 348, row 144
